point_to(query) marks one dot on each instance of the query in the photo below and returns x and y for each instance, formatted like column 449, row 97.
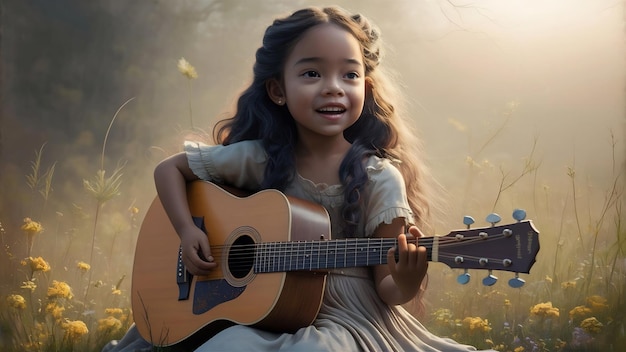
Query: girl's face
column 324, row 81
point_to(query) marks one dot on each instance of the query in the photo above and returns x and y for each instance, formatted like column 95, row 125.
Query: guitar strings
column 246, row 254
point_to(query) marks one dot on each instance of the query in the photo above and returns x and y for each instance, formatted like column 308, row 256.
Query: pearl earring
column 279, row 101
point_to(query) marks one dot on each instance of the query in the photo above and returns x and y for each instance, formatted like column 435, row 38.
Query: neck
column 321, row 146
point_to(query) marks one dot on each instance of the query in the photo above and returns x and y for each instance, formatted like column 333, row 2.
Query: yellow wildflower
column 568, row 285
column 519, row 349
column 474, row 324
column 59, row 289
column 186, row 69
column 579, row 312
column 443, row 317
column 591, row 325
column 597, row 303
column 114, row 312
column 545, row 310
column 38, row 264
column 82, row 266
column 29, row 285
column 55, row 310
column 31, row 227
column 16, row 301
column 116, row 291
column 109, row 324
column 74, row 329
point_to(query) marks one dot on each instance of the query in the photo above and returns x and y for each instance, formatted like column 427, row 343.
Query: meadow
column 66, row 276
column 66, row 279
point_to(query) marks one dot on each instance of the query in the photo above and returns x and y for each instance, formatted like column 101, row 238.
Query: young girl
column 317, row 123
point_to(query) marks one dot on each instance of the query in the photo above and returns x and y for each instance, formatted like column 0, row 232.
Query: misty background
column 485, row 81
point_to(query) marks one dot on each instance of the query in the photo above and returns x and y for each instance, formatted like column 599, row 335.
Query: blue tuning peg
column 493, row 218
column 463, row 278
column 519, row 214
column 516, row 282
column 468, row 221
column 490, row 279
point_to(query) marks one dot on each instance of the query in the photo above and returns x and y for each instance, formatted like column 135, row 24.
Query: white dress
column 352, row 316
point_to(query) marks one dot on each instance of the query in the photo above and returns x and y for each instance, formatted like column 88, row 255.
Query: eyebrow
column 319, row 59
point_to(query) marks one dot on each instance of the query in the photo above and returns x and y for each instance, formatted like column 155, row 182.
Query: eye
column 352, row 75
column 311, row 74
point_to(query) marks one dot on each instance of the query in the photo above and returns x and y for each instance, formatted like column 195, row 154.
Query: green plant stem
column 572, row 174
column 106, row 136
column 93, row 244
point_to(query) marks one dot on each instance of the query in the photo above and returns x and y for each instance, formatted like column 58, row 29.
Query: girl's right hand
column 197, row 256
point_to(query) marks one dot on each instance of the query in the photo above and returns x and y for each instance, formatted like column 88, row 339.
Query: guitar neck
column 330, row 254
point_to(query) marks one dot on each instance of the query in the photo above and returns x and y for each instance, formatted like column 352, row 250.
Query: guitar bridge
column 183, row 277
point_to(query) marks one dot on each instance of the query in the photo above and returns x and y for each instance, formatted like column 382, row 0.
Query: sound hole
column 241, row 257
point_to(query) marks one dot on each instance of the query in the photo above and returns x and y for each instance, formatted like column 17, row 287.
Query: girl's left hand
column 410, row 268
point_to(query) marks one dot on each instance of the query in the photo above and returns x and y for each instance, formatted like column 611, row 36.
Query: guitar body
column 170, row 306
column 273, row 253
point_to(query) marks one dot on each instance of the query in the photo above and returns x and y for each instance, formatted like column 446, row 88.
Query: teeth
column 331, row 109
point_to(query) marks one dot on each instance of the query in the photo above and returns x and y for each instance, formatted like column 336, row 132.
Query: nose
column 333, row 87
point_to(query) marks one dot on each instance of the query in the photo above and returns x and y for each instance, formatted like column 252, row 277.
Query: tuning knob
column 519, row 214
column 490, row 279
column 464, row 278
column 493, row 219
column 516, row 282
column 468, row 221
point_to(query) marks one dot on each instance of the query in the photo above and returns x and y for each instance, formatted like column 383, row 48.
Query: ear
column 275, row 91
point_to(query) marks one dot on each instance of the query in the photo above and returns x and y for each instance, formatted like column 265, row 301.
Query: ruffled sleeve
column 239, row 164
column 387, row 195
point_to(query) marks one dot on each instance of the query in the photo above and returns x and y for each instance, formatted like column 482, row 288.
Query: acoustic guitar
column 273, row 253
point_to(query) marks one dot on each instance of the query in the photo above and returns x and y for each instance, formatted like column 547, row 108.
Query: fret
column 315, row 255
column 261, row 258
column 268, row 257
column 351, row 252
column 308, row 254
column 333, row 258
column 360, row 258
column 282, row 258
column 290, row 249
column 319, row 254
column 301, row 257
column 380, row 250
column 324, row 246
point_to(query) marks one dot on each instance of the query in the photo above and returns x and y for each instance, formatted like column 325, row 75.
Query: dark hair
column 258, row 117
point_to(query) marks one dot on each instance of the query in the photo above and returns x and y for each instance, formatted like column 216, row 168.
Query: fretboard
column 315, row 255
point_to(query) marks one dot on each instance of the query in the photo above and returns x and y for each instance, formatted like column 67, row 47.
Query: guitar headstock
column 512, row 247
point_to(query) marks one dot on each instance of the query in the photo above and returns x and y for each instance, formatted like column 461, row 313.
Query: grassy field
column 66, row 275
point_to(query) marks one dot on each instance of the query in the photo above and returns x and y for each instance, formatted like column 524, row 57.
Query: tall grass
column 573, row 299
column 62, row 291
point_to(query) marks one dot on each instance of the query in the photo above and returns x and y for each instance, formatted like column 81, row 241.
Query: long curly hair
column 380, row 130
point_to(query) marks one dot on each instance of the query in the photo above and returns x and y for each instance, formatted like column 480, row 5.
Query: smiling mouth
column 331, row 111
